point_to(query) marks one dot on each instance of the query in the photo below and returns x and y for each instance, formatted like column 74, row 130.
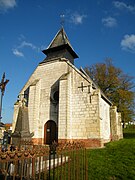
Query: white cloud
column 18, row 53
column 7, row 4
column 23, row 45
column 122, row 5
column 27, row 44
column 109, row 22
column 21, row 37
column 128, row 43
column 77, row 18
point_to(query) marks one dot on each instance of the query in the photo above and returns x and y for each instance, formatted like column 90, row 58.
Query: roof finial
column 62, row 20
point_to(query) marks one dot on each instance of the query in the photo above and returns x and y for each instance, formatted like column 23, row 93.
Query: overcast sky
column 97, row 29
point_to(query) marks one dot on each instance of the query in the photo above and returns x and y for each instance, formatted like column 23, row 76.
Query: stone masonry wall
column 85, row 109
column 116, row 127
column 80, row 110
column 105, row 120
column 40, row 84
column 120, row 129
column 62, row 123
column 33, row 105
column 16, row 110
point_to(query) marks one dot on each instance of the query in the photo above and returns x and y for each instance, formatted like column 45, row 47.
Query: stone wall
column 15, row 114
column 85, row 108
column 80, row 116
column 79, row 109
column 104, row 120
column 62, row 123
column 39, row 84
column 120, row 128
column 116, row 126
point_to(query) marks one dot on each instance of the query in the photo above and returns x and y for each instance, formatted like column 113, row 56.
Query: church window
column 26, row 96
column 56, row 96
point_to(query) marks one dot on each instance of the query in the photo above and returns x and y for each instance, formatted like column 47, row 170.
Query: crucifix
column 3, row 84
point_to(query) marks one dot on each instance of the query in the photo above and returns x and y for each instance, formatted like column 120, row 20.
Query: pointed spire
column 59, row 44
column 60, row 39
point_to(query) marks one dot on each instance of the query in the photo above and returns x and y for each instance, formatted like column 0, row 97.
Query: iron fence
column 54, row 162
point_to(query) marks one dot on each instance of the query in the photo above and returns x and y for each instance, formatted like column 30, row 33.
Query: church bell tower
column 60, row 47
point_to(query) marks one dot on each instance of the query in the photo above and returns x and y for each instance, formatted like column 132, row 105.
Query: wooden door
column 50, row 132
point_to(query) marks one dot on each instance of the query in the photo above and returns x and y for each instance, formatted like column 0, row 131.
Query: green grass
column 116, row 161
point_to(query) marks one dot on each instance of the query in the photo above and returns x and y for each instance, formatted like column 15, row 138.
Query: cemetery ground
column 116, row 161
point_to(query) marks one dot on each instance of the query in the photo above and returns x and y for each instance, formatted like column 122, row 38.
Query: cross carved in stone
column 82, row 86
column 89, row 92
column 89, row 89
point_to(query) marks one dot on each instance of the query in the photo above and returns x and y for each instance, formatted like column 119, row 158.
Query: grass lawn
column 116, row 161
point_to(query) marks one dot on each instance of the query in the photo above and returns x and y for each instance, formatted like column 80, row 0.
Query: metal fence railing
column 57, row 162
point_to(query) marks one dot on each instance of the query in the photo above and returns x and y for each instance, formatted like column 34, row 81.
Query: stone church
column 61, row 103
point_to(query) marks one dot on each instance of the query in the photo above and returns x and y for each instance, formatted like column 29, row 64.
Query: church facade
column 61, row 103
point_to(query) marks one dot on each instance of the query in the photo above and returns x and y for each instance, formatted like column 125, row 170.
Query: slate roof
column 60, row 39
column 60, row 42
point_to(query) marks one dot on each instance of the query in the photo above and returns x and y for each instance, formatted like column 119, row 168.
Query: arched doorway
column 50, row 132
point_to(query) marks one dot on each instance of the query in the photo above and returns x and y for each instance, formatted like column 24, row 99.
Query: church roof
column 60, row 39
column 60, row 42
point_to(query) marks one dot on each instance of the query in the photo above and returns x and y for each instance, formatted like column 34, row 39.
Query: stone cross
column 82, row 86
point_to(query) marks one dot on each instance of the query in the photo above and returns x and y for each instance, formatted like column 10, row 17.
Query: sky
column 97, row 29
